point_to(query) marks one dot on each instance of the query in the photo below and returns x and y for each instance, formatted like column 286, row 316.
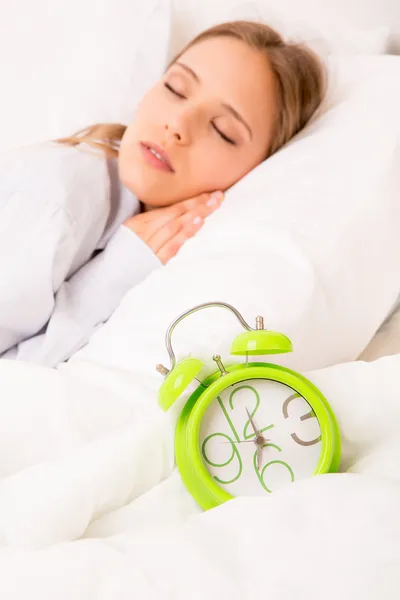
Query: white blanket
column 92, row 508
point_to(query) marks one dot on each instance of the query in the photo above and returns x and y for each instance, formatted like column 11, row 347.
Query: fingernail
column 215, row 199
column 197, row 221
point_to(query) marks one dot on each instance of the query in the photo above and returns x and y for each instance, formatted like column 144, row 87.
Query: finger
column 212, row 200
column 187, row 228
column 173, row 244
column 158, row 219
column 177, row 209
column 202, row 210
column 150, row 215
column 147, row 224
column 164, row 234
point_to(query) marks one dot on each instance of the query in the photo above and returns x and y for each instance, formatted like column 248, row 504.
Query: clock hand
column 257, row 433
column 259, row 456
column 257, row 443
column 239, row 442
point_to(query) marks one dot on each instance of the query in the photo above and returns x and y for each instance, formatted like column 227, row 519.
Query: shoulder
column 57, row 176
column 51, row 161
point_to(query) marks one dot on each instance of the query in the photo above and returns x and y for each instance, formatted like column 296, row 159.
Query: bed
column 91, row 504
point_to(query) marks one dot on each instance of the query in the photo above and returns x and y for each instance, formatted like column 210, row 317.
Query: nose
column 177, row 129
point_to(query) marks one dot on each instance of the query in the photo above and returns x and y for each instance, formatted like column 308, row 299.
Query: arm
column 89, row 297
column 36, row 251
column 53, row 210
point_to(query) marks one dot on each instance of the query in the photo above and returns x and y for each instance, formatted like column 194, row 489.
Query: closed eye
column 220, row 133
column 173, row 91
column 224, row 137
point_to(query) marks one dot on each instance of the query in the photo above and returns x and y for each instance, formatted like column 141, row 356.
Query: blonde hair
column 299, row 73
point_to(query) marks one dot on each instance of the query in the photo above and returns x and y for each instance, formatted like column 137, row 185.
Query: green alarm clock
column 248, row 429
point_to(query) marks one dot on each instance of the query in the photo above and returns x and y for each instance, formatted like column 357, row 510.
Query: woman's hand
column 166, row 229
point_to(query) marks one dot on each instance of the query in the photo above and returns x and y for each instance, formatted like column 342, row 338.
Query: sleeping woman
column 84, row 219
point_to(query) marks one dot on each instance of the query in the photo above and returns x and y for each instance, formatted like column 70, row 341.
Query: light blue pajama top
column 66, row 259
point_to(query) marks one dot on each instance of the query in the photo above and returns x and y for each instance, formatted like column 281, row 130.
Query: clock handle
column 168, row 335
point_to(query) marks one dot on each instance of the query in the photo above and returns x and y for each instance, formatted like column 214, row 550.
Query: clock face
column 258, row 436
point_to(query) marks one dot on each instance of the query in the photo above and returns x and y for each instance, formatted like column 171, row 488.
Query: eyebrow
column 228, row 107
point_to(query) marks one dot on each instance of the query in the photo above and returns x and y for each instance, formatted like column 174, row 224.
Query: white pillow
column 350, row 26
column 386, row 341
column 64, row 66
column 309, row 240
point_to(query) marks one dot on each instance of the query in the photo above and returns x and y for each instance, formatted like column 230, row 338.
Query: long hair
column 299, row 73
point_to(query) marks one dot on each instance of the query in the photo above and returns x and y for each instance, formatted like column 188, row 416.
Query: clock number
column 227, row 417
column 247, row 435
column 309, row 415
column 260, row 475
column 235, row 452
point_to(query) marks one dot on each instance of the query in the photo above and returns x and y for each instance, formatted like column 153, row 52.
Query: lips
column 156, row 156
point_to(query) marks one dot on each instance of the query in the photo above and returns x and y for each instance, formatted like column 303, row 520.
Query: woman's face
column 210, row 120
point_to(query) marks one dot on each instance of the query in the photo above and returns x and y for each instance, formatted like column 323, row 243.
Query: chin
column 149, row 193
column 148, row 186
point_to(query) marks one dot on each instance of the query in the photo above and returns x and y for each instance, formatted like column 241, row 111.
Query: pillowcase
column 65, row 66
column 329, row 26
column 386, row 341
column 309, row 240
